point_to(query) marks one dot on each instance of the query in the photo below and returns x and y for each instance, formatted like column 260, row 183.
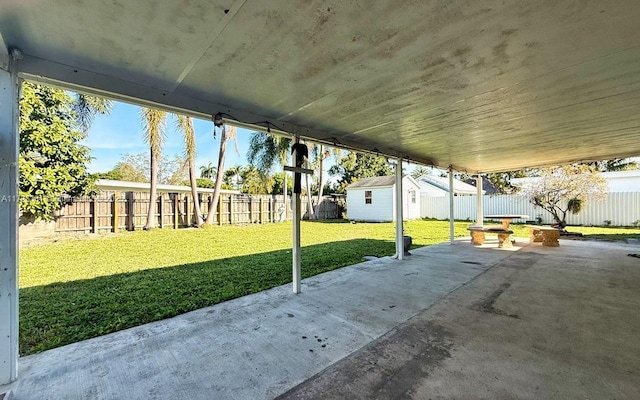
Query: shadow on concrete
column 255, row 346
column 622, row 237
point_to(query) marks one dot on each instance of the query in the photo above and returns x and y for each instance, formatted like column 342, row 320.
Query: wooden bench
column 478, row 232
column 546, row 234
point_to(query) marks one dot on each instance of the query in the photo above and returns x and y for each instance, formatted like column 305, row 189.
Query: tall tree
column 133, row 168
column 566, row 189
column 319, row 154
column 207, row 171
column 615, row 164
column 178, row 174
column 254, row 181
column 136, row 168
column 419, row 172
column 52, row 160
column 154, row 123
column 228, row 132
column 87, row 107
column 265, row 150
column 186, row 126
column 355, row 165
column 310, row 213
column 279, row 187
column 502, row 180
column 233, row 177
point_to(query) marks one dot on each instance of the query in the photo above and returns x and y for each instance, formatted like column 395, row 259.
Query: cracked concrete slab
column 450, row 322
column 541, row 324
column 257, row 346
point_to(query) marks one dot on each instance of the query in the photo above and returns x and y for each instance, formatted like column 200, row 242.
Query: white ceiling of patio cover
column 480, row 85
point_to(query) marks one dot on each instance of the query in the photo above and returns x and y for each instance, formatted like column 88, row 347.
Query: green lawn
column 77, row 289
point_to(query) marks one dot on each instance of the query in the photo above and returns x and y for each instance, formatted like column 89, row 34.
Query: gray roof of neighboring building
column 375, row 181
column 487, row 186
column 459, row 187
column 108, row 184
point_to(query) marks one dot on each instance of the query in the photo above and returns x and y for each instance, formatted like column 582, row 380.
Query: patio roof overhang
column 472, row 86
column 480, row 86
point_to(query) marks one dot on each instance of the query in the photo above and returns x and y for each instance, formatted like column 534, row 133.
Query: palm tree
column 228, row 132
column 265, row 149
column 185, row 124
column 233, row 177
column 310, row 212
column 318, row 154
column 419, row 172
column 207, row 171
column 154, row 122
column 86, row 107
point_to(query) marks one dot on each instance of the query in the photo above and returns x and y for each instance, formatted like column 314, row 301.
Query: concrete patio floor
column 450, row 322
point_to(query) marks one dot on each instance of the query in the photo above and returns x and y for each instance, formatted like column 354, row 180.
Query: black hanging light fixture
column 218, row 120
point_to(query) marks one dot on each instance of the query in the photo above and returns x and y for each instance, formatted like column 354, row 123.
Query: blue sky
column 110, row 137
column 121, row 132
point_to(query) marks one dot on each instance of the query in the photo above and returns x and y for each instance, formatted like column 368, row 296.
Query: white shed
column 373, row 199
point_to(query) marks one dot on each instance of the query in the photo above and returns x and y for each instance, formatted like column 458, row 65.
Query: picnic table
column 478, row 233
column 506, row 218
column 548, row 235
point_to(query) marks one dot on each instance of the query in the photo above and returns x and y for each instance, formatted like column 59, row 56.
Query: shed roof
column 379, row 181
column 487, row 186
column 373, row 182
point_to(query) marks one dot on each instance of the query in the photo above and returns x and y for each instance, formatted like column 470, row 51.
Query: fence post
column 176, row 211
column 161, row 210
column 250, row 207
column 115, row 210
column 220, row 210
column 230, row 209
column 94, row 215
column 261, row 210
column 206, row 200
column 130, row 212
column 189, row 216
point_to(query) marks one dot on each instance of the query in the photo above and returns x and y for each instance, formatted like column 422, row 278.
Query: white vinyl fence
column 622, row 209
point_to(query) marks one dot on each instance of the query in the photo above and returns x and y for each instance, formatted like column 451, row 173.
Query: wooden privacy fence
column 113, row 211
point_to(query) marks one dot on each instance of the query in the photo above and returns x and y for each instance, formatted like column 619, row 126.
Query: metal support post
column 299, row 153
column 297, row 259
column 479, row 209
column 451, row 218
column 398, row 212
column 9, row 111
